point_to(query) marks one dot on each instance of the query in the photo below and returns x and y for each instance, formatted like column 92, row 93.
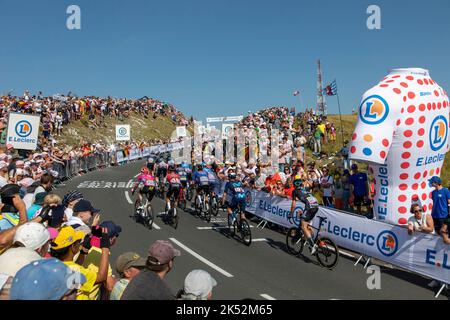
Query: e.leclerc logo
column 123, row 131
column 438, row 133
column 387, row 243
column 23, row 128
column 295, row 218
column 373, row 110
column 248, row 199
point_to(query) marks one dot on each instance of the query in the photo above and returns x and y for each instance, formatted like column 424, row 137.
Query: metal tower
column 321, row 102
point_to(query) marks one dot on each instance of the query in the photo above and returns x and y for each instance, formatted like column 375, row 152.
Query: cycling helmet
column 145, row 170
column 171, row 163
column 72, row 196
column 298, row 181
column 231, row 175
column 151, row 160
column 172, row 168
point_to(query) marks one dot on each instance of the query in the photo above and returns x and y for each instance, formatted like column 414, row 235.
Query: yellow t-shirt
column 321, row 128
column 89, row 290
column 92, row 263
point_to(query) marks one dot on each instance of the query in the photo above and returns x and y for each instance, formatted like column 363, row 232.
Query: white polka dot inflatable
column 402, row 132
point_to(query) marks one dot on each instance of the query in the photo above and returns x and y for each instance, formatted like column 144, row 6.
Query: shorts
column 439, row 222
column 238, row 203
column 204, row 188
column 358, row 200
column 309, row 214
column 161, row 172
column 148, row 191
column 175, row 191
column 184, row 184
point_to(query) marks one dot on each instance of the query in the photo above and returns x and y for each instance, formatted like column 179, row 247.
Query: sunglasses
column 417, row 211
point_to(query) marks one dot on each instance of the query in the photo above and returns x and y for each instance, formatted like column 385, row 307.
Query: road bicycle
column 214, row 203
column 235, row 223
column 202, row 206
column 172, row 213
column 327, row 253
column 182, row 199
column 144, row 212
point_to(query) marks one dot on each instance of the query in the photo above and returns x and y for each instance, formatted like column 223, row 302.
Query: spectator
column 441, row 207
column 338, row 192
column 46, row 280
column 69, row 201
column 82, row 214
column 3, row 173
column 11, row 262
column 67, row 245
column 198, row 285
column 149, row 283
column 420, row 222
column 359, row 187
column 34, row 236
column 13, row 209
column 128, row 265
column 346, row 186
column 94, row 257
column 326, row 183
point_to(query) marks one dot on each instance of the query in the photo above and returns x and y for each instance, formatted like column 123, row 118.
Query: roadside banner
column 23, row 131
column 123, row 132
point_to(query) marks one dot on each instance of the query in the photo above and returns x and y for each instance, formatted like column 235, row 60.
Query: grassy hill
column 348, row 124
column 141, row 129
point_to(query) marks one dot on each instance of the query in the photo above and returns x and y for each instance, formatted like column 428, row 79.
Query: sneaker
column 313, row 249
column 434, row 284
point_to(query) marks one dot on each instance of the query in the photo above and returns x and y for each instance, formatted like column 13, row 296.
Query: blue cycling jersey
column 235, row 189
column 201, row 178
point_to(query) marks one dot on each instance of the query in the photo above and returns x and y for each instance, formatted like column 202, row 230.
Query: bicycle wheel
column 182, row 204
column 246, row 234
column 231, row 225
column 327, row 253
column 175, row 218
column 189, row 194
column 149, row 216
column 295, row 241
column 207, row 212
column 215, row 206
column 136, row 214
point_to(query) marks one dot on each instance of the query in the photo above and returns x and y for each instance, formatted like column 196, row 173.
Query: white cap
column 3, row 165
column 19, row 172
column 199, row 283
column 20, row 163
column 32, row 235
column 2, row 156
column 15, row 259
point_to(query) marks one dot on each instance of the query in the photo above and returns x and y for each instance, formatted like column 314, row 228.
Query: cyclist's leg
column 242, row 209
column 176, row 195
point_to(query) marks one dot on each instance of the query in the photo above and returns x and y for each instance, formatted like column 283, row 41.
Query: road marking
column 136, row 175
column 128, row 197
column 259, row 240
column 199, row 257
column 267, row 297
column 156, row 226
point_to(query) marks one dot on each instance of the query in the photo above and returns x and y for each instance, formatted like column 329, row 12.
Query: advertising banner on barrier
column 119, row 157
column 146, row 152
column 23, row 130
column 421, row 253
column 135, row 154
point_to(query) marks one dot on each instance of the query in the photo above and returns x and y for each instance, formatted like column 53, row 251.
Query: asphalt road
column 265, row 270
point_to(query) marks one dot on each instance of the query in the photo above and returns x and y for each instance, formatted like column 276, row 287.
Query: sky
column 219, row 58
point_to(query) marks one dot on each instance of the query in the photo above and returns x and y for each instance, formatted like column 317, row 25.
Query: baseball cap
column 128, row 260
column 20, row 163
column 66, row 237
column 32, row 235
column 199, row 283
column 84, row 205
column 15, row 258
column 53, row 233
column 113, row 229
column 39, row 198
column 435, row 179
column 47, row 279
column 3, row 165
column 57, row 214
column 163, row 252
column 25, row 182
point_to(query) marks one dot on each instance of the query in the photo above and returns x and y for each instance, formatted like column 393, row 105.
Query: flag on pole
column 331, row 89
column 296, row 93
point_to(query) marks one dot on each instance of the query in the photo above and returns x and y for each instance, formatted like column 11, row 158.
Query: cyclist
column 201, row 180
column 311, row 208
column 149, row 183
column 183, row 176
column 173, row 178
column 235, row 189
column 161, row 171
column 214, row 183
column 151, row 165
